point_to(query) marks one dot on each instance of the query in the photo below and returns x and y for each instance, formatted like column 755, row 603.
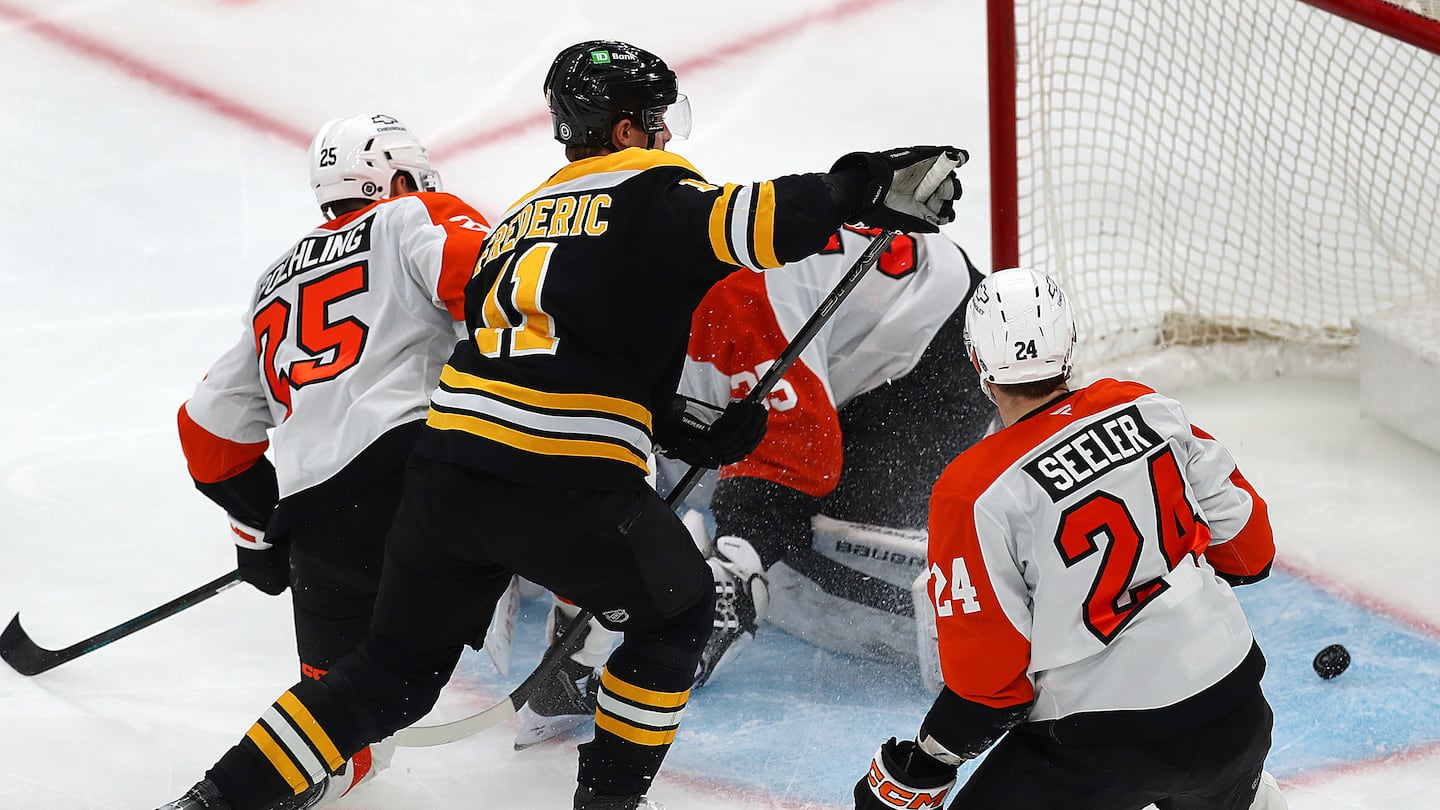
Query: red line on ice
column 96, row 51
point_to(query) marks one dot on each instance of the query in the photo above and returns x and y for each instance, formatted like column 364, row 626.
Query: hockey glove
column 901, row 775
column 703, row 435
column 263, row 564
column 912, row 189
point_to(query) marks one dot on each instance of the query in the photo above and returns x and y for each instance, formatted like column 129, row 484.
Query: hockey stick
column 443, row 733
column 29, row 658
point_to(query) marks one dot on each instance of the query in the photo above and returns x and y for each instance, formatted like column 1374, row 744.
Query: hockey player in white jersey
column 344, row 337
column 1082, row 561
column 821, row 527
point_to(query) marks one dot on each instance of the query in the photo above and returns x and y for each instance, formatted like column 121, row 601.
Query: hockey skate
column 356, row 771
column 742, row 598
column 585, row 799
column 203, row 796
column 566, row 702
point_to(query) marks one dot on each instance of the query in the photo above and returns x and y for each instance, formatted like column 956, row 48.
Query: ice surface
column 156, row 164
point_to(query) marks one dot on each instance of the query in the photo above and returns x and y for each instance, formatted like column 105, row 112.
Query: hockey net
column 1202, row 174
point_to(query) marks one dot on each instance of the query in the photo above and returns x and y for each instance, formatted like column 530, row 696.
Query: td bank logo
column 599, row 57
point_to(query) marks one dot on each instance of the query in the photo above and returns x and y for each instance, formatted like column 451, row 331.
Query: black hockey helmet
column 591, row 85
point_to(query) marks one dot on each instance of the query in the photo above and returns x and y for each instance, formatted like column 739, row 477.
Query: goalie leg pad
column 742, row 601
column 927, row 635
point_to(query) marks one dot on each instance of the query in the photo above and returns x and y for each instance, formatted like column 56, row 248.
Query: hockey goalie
column 821, row 530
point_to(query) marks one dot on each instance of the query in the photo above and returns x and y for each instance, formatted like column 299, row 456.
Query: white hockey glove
column 910, row 189
column 901, row 775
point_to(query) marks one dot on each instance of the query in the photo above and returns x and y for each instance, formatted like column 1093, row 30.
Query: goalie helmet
column 1019, row 328
column 357, row 157
column 591, row 85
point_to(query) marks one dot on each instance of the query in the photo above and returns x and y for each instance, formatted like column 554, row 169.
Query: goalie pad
column 854, row 592
column 500, row 637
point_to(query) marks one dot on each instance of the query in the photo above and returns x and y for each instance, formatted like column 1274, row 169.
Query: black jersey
column 579, row 311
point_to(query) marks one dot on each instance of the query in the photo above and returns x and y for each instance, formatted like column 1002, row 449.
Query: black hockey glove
column 703, row 435
column 911, row 189
column 266, row 565
column 901, row 775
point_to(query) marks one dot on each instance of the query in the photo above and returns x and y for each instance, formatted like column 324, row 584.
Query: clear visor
column 428, row 179
column 415, row 161
column 675, row 118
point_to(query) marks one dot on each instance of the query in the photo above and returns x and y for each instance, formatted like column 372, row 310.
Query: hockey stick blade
column 424, row 736
column 28, row 658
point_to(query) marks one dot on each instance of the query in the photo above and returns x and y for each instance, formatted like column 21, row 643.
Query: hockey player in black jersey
column 535, row 453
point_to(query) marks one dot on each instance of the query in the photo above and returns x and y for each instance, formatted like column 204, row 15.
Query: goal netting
column 1196, row 173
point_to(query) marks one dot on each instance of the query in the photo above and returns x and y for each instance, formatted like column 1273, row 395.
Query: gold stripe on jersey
column 719, row 232
column 765, row 226
column 631, row 160
column 277, row 757
column 742, row 226
column 623, row 408
column 633, row 713
column 520, row 440
column 541, row 422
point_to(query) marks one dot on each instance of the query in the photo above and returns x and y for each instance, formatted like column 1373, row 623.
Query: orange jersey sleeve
column 212, row 458
column 465, row 233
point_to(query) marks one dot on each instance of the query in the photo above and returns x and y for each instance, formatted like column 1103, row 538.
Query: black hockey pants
column 1214, row 767
column 335, row 561
column 458, row 536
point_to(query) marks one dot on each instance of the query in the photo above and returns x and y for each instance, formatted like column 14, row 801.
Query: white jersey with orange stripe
column 878, row 334
column 344, row 340
column 1074, row 558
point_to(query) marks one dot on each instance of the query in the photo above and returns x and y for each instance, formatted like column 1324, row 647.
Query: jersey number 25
column 331, row 347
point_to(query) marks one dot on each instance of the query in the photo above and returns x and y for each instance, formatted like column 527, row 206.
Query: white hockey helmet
column 356, row 158
column 1019, row 328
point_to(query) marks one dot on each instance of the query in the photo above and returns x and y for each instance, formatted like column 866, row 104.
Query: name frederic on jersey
column 1098, row 448
column 550, row 218
column 315, row 251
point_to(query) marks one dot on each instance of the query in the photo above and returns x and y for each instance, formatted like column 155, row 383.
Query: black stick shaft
column 28, row 658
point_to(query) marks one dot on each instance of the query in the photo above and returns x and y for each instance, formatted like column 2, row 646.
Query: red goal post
column 1197, row 173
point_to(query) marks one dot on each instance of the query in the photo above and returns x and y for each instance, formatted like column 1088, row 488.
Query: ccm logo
column 897, row 796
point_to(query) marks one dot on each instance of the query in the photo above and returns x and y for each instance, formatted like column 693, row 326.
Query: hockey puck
column 1331, row 661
